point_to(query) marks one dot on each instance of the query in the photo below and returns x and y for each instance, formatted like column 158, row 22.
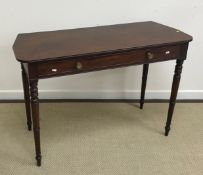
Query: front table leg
column 174, row 91
column 35, row 118
column 26, row 89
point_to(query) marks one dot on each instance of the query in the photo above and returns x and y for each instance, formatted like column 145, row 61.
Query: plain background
column 30, row 16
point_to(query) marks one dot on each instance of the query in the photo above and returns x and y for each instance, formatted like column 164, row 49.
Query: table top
column 50, row 45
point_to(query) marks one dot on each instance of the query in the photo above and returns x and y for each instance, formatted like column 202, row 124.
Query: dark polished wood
column 174, row 92
column 52, row 45
column 26, row 89
column 105, row 61
column 35, row 118
column 65, row 52
column 144, row 82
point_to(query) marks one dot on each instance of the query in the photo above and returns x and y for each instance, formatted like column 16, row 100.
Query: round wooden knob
column 79, row 65
column 150, row 55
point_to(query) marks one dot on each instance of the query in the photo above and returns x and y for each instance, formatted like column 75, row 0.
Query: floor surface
column 103, row 139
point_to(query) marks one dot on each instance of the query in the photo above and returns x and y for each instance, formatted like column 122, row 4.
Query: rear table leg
column 144, row 82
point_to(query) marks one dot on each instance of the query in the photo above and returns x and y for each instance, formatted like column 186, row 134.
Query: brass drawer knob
column 150, row 55
column 79, row 65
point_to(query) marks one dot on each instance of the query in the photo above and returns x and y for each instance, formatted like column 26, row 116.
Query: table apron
column 53, row 68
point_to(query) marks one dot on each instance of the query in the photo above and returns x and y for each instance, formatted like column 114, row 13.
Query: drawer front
column 54, row 68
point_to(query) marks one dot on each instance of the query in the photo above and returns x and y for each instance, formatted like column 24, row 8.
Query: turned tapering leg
column 26, row 89
column 144, row 82
column 35, row 118
column 174, row 91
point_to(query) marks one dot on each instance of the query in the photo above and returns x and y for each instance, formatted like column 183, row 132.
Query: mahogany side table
column 64, row 52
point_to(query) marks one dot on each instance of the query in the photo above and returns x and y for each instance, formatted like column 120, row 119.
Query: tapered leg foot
column 39, row 160
column 144, row 82
column 167, row 129
column 141, row 105
column 29, row 126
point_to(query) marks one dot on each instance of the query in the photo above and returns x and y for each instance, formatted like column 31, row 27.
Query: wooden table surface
column 31, row 47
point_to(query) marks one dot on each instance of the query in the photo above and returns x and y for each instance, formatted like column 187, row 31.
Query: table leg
column 174, row 91
column 144, row 82
column 35, row 118
column 26, row 89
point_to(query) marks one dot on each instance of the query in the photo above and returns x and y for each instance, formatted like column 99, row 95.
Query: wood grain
column 31, row 47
